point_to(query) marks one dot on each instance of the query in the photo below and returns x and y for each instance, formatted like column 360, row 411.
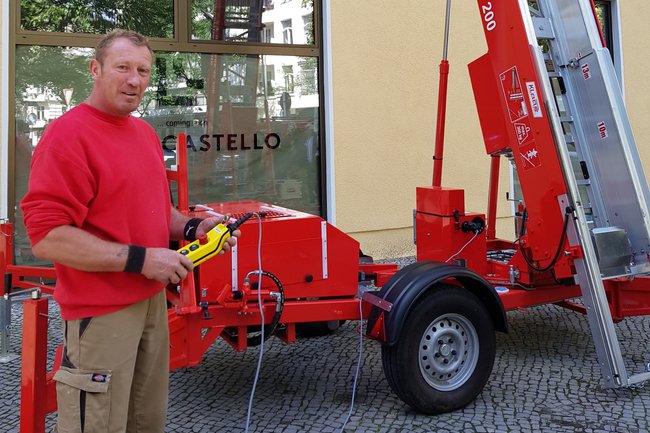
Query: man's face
column 121, row 79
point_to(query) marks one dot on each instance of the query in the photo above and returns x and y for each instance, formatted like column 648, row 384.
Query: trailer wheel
column 445, row 352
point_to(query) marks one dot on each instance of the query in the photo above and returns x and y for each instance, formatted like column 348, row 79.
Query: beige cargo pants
column 115, row 371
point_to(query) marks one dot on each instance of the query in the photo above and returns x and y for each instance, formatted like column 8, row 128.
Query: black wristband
column 189, row 232
column 135, row 259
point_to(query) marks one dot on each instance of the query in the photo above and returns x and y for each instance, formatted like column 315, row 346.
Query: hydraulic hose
column 267, row 331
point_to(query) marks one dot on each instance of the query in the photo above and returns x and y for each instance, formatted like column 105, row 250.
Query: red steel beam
column 33, row 395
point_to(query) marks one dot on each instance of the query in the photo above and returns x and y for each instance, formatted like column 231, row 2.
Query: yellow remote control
column 201, row 250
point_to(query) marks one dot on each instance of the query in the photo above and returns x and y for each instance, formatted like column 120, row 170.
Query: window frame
column 287, row 31
column 182, row 40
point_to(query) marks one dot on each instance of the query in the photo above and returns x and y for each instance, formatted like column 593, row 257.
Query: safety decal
column 529, row 157
column 522, row 131
column 535, row 107
column 513, row 94
column 602, row 130
column 586, row 72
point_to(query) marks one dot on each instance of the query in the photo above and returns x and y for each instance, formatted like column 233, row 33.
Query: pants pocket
column 83, row 399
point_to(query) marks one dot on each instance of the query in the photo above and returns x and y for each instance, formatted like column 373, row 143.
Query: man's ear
column 95, row 68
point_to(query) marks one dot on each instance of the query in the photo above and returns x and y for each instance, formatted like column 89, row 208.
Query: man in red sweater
column 98, row 206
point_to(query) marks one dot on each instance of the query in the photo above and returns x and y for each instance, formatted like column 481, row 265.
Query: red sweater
column 105, row 175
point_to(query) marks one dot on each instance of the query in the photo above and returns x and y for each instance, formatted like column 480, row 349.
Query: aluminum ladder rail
column 605, row 182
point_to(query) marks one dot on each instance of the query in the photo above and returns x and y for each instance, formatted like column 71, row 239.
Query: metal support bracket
column 377, row 301
column 5, row 329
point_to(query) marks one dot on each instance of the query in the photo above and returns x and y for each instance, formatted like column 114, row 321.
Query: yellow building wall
column 385, row 63
column 636, row 46
column 385, row 79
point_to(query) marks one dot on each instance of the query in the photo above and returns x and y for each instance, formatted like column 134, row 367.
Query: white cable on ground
column 356, row 373
column 261, row 354
column 261, row 307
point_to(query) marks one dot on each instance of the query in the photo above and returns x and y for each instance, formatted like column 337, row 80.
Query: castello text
column 223, row 142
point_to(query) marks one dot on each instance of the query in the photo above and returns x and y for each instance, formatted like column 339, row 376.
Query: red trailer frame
column 316, row 264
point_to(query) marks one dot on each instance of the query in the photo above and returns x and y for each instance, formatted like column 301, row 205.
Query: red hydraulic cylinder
column 440, row 126
column 442, row 106
column 492, row 200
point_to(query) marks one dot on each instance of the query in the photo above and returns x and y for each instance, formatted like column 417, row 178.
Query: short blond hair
column 107, row 40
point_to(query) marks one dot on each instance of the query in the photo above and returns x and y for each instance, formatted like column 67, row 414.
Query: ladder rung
column 566, row 119
column 583, row 182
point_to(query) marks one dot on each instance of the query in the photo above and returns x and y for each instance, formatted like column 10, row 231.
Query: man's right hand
column 166, row 266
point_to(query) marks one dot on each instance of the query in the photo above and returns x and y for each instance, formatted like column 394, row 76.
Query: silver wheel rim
column 448, row 352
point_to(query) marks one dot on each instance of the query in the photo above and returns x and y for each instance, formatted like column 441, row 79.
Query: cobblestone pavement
column 545, row 379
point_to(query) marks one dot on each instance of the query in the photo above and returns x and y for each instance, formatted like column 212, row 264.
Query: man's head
column 121, row 70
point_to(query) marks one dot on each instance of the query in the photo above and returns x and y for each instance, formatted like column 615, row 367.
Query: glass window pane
column 250, row 137
column 252, row 121
column 153, row 18
column 604, row 14
column 49, row 80
column 266, row 21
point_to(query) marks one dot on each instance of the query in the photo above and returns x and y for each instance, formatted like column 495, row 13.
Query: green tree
column 153, row 18
column 56, row 68
column 53, row 69
column 175, row 81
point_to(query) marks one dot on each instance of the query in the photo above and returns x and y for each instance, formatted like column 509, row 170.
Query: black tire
column 317, row 329
column 449, row 373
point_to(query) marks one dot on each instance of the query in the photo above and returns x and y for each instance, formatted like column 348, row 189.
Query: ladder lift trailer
column 549, row 101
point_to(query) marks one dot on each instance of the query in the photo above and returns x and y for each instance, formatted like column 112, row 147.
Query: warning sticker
column 535, row 107
column 522, row 131
column 514, row 94
column 529, row 157
column 515, row 97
